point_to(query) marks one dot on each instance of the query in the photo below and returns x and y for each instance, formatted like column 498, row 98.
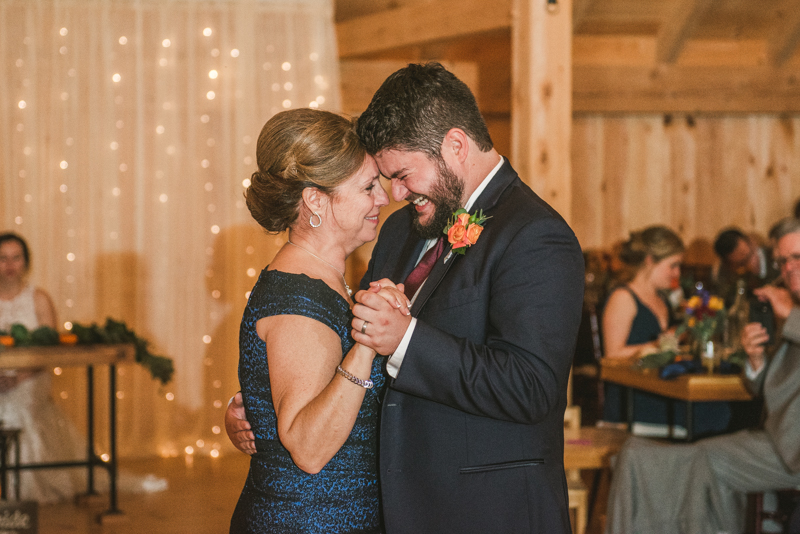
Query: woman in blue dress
column 635, row 316
column 310, row 392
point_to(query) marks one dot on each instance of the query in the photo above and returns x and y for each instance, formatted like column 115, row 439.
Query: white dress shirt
column 396, row 359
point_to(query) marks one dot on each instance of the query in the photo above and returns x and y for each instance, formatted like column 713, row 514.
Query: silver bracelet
column 366, row 384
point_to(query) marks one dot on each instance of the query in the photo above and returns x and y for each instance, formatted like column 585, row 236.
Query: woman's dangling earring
column 311, row 220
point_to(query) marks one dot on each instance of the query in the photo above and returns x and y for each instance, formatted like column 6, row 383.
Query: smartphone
column 761, row 312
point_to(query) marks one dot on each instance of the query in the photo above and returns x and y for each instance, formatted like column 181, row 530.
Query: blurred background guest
column 25, row 395
column 702, row 487
column 47, row 435
column 742, row 257
column 636, row 315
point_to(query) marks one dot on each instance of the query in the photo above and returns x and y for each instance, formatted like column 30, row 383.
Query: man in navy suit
column 471, row 437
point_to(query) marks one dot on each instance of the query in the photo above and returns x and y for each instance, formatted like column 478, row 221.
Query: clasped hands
column 387, row 313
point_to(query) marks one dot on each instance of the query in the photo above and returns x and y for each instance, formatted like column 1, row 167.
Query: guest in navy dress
column 310, row 392
column 635, row 316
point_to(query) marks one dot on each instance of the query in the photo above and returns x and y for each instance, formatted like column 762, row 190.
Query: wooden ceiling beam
column 640, row 50
column 579, row 10
column 685, row 89
column 673, row 32
column 411, row 25
column 784, row 43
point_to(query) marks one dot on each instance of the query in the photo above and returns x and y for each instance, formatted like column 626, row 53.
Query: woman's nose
column 382, row 198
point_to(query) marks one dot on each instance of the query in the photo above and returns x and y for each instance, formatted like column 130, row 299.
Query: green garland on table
column 112, row 332
column 657, row 360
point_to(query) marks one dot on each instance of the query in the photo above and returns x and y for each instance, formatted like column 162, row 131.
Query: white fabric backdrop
column 127, row 129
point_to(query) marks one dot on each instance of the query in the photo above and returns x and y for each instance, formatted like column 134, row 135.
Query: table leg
column 17, row 459
column 3, row 467
column 112, row 429
column 629, row 392
column 689, row 422
column 670, row 418
column 90, row 453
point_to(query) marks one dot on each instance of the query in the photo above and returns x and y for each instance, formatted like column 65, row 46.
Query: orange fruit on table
column 7, row 341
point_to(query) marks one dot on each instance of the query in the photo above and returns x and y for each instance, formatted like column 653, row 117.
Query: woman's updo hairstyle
column 296, row 149
column 657, row 242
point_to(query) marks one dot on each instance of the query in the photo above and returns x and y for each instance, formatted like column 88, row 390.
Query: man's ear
column 456, row 145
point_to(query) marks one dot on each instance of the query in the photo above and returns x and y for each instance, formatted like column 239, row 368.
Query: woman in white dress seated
column 25, row 402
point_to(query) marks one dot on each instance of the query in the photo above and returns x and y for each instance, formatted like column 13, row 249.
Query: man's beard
column 445, row 195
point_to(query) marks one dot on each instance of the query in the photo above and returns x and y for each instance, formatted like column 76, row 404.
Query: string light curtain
column 127, row 135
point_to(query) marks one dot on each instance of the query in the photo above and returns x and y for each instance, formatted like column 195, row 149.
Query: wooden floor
column 200, row 500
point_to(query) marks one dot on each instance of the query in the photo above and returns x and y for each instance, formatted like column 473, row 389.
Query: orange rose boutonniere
column 464, row 229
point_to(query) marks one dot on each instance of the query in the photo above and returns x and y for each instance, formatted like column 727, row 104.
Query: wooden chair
column 577, row 491
column 787, row 513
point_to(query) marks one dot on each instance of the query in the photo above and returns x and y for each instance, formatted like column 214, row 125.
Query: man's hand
column 392, row 293
column 754, row 337
column 386, row 323
column 779, row 298
column 238, row 428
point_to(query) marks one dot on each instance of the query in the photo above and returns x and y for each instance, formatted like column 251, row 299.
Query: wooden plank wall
column 696, row 174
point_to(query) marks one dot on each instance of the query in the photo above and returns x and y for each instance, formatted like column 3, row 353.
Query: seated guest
column 25, row 401
column 701, row 487
column 741, row 257
column 635, row 316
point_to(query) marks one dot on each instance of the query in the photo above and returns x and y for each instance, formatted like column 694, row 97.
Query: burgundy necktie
column 423, row 268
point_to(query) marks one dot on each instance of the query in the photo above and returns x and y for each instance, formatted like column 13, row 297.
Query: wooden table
column 591, row 447
column 690, row 388
column 80, row 356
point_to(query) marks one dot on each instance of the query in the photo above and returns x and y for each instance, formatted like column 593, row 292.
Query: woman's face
column 358, row 202
column 12, row 261
column 667, row 272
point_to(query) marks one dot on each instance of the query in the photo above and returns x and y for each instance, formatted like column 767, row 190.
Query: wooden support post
column 541, row 99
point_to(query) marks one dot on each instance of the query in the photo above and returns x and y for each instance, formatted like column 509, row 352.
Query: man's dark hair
column 726, row 242
column 10, row 236
column 414, row 109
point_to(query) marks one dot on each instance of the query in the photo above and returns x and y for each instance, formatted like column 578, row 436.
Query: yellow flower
column 694, row 302
column 715, row 303
column 691, row 322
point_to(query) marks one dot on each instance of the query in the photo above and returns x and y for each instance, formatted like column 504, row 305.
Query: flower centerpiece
column 705, row 316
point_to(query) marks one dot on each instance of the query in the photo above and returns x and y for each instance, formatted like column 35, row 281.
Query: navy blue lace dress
column 278, row 497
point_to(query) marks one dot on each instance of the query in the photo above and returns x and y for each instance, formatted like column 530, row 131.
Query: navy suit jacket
column 471, row 437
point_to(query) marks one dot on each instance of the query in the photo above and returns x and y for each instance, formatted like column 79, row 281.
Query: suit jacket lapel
column 487, row 200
